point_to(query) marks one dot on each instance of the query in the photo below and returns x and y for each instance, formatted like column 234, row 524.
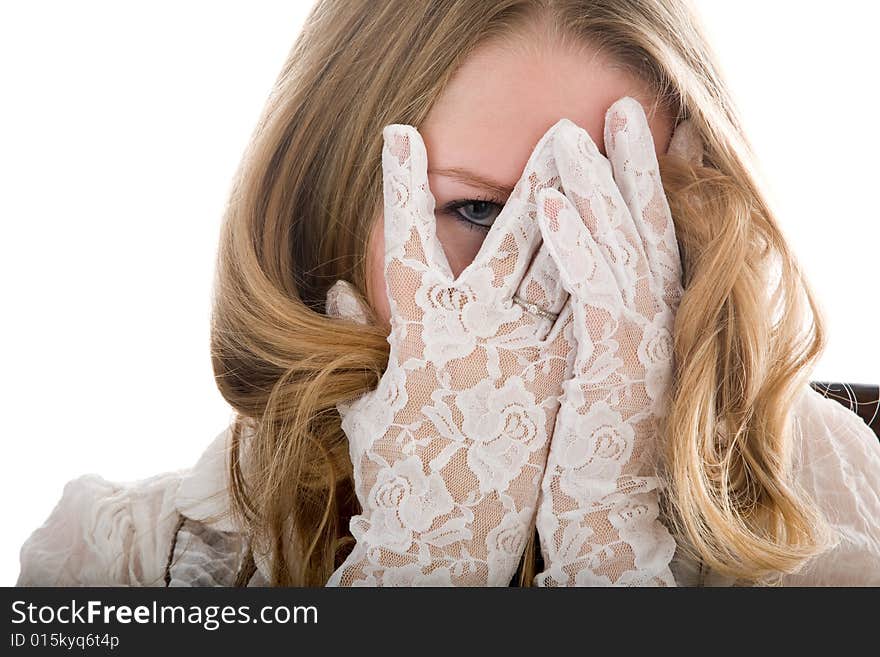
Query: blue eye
column 481, row 216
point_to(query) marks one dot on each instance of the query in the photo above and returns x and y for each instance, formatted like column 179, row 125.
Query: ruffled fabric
column 120, row 534
column 103, row 533
column 209, row 550
column 205, row 557
column 203, row 493
column 839, row 465
column 836, row 460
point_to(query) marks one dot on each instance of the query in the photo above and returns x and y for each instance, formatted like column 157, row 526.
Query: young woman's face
column 485, row 125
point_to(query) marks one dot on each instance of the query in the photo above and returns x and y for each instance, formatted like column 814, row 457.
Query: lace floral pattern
column 450, row 452
column 449, row 449
column 612, row 236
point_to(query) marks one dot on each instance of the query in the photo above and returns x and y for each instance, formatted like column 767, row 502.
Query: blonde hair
column 299, row 218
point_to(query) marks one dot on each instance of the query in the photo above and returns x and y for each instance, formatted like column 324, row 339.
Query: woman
column 735, row 470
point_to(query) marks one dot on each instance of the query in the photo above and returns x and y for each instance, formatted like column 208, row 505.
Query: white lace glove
column 449, row 449
column 613, row 238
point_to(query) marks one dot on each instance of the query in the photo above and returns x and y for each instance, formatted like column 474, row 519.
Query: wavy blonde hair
column 747, row 332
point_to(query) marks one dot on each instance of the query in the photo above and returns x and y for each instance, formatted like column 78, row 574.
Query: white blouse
column 121, row 534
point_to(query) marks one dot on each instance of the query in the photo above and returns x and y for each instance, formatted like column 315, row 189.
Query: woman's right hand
column 449, row 449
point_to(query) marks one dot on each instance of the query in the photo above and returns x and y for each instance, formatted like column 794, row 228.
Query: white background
column 121, row 125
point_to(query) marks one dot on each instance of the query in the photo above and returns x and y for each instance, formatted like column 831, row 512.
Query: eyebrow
column 474, row 179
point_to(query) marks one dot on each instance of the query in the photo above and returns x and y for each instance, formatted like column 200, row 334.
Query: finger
column 343, row 301
column 596, row 299
column 542, row 287
column 686, row 143
column 558, row 354
column 514, row 238
column 410, row 225
column 589, row 185
column 560, row 343
column 584, row 270
column 630, row 147
column 602, row 323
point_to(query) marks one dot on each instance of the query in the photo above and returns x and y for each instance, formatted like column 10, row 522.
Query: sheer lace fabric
column 105, row 533
column 613, row 237
column 449, row 449
column 489, row 418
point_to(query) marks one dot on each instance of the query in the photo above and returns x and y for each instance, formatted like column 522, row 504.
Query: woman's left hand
column 613, row 239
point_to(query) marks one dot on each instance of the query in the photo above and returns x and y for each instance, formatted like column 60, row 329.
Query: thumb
column 686, row 143
column 343, row 301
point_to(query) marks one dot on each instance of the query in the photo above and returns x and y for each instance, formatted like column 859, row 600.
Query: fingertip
column 576, row 156
column 687, row 143
column 551, row 203
column 343, row 301
column 405, row 143
column 548, row 193
column 624, row 114
column 552, row 206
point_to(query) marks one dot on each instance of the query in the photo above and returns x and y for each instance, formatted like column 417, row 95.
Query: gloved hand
column 449, row 449
column 612, row 235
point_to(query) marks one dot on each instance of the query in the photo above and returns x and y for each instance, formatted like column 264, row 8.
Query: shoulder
column 832, row 444
column 203, row 492
column 103, row 533
column 836, row 460
column 209, row 549
column 110, row 533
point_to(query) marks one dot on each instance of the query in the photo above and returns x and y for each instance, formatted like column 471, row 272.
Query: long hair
column 303, row 200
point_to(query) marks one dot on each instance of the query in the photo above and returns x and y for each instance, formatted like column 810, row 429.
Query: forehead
column 503, row 98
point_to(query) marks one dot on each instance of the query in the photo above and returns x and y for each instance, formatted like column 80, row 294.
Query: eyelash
column 451, row 208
